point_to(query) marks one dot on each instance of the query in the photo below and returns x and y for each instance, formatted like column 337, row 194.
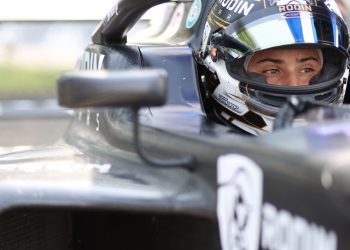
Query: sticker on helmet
column 239, row 202
column 289, row 6
column 236, row 6
column 194, row 14
column 294, row 7
column 294, row 2
column 225, row 101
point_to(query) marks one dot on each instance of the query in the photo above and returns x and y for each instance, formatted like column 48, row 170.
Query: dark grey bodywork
column 91, row 190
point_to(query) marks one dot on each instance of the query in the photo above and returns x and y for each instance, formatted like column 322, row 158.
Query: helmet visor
column 274, row 28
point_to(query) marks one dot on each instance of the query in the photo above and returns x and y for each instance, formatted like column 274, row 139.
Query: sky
column 54, row 9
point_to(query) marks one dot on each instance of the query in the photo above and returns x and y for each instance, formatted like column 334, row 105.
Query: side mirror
column 131, row 88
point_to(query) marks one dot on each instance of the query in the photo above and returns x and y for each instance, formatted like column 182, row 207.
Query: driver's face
column 288, row 67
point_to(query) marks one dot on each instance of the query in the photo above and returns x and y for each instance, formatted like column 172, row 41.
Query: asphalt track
column 31, row 124
column 31, row 132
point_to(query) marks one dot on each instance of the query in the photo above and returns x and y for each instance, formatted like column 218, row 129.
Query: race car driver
column 256, row 54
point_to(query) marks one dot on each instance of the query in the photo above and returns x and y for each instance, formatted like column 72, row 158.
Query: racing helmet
column 236, row 29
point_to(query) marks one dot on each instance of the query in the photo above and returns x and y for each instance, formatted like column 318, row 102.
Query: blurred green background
column 20, row 82
column 34, row 53
column 39, row 39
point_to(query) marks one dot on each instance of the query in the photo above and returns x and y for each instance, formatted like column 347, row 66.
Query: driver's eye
column 307, row 70
column 270, row 72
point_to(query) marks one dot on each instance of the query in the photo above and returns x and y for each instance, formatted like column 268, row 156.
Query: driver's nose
column 292, row 79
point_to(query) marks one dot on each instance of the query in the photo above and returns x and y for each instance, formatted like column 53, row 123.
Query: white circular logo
column 239, row 202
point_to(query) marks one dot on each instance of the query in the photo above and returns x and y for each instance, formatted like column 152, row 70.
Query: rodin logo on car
column 281, row 230
column 239, row 202
column 91, row 61
column 243, row 220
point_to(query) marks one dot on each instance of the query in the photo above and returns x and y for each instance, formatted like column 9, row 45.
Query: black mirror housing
column 131, row 88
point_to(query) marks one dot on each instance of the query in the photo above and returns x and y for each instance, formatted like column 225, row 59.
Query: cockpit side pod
column 179, row 63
